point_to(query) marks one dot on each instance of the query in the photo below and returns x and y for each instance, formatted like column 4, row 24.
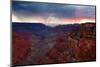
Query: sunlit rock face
column 42, row 44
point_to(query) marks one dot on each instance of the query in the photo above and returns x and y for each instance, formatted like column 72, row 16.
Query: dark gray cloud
column 45, row 9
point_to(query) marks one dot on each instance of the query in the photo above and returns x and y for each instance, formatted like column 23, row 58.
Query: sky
column 50, row 13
